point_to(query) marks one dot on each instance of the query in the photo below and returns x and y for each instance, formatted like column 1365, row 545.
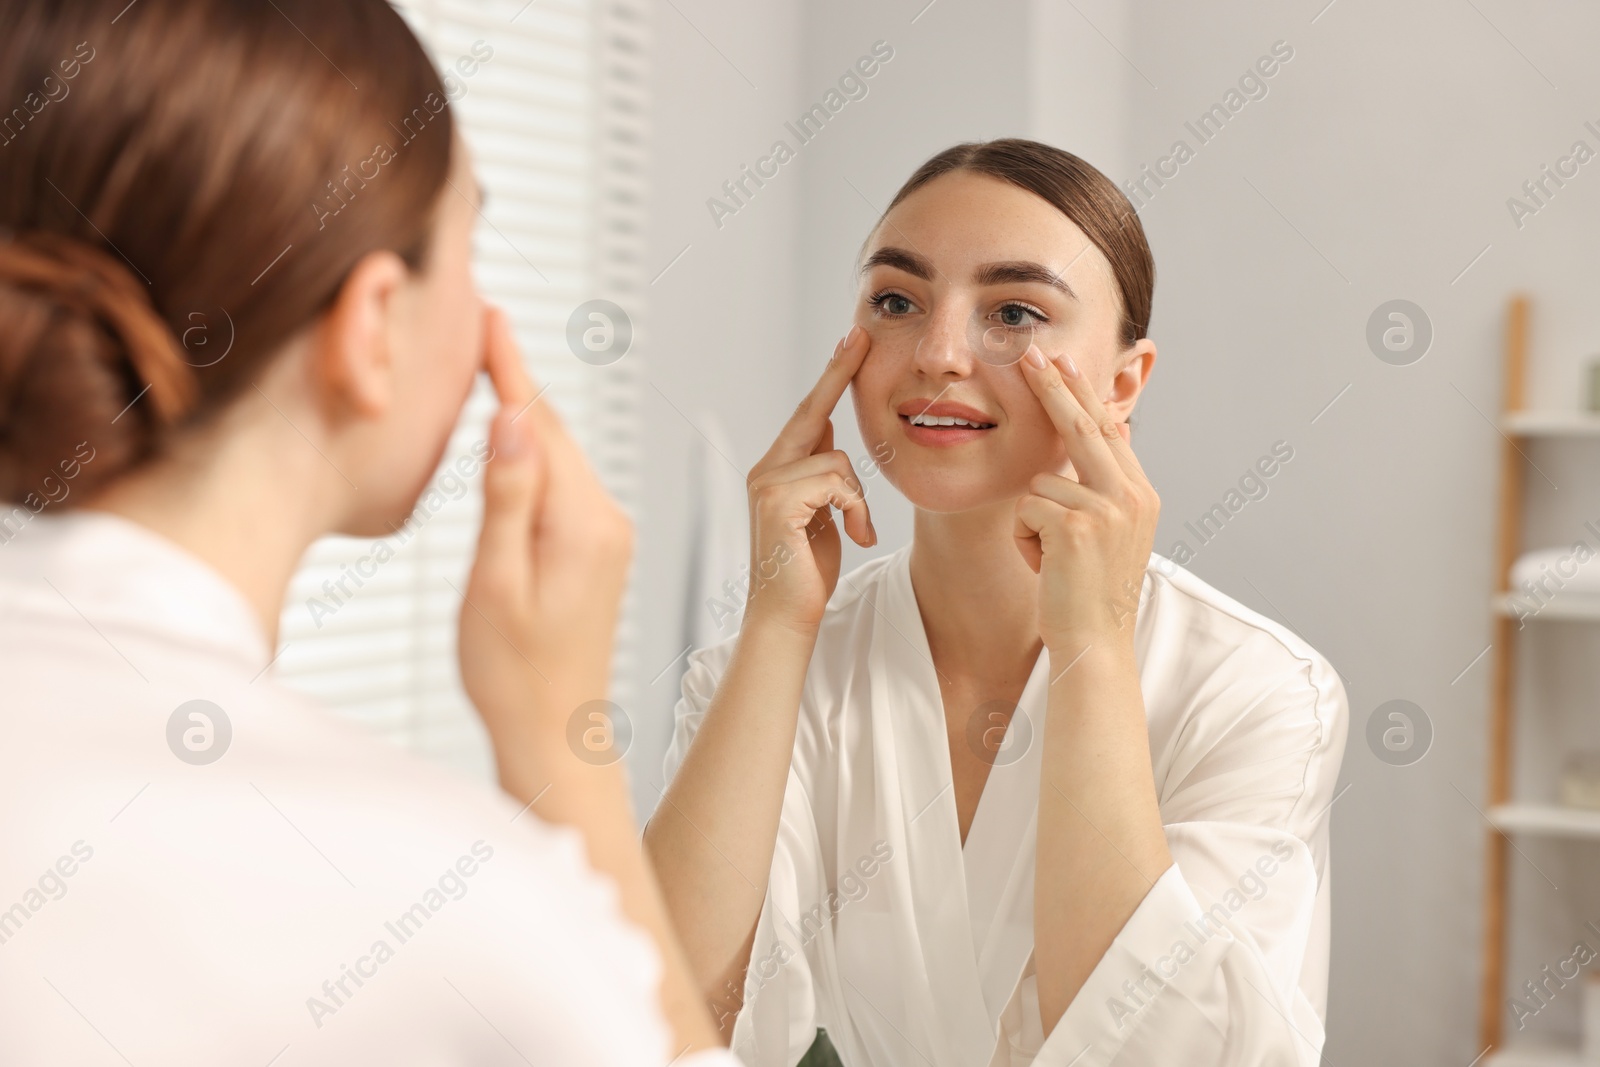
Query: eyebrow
column 1009, row 271
column 900, row 259
column 1022, row 271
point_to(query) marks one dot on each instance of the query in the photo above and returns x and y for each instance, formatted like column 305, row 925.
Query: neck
column 247, row 497
column 978, row 598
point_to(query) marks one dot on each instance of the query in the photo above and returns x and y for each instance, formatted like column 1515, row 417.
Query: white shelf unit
column 1552, row 423
column 1546, row 820
column 1535, row 1056
column 1567, row 607
column 1510, row 611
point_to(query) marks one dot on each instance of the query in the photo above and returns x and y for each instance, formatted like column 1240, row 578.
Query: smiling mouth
column 941, row 421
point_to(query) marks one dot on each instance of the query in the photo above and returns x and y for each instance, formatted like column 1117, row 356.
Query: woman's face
column 956, row 280
column 435, row 337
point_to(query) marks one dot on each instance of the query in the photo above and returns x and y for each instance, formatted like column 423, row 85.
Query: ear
column 354, row 354
column 1128, row 383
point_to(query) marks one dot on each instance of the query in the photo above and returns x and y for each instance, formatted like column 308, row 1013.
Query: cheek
column 869, row 407
column 447, row 355
column 457, row 348
column 894, row 344
column 464, row 341
column 1036, row 443
column 871, row 387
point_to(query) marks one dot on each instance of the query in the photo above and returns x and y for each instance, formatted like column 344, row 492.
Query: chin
column 963, row 475
column 945, row 491
column 376, row 522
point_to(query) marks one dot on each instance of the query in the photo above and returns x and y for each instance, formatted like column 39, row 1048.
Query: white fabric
column 719, row 567
column 1567, row 571
column 909, row 948
column 171, row 913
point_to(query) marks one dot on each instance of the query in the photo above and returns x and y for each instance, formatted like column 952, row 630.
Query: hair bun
column 80, row 343
column 80, row 278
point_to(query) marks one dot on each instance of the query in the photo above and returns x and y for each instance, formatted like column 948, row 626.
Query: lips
column 942, row 423
column 943, row 414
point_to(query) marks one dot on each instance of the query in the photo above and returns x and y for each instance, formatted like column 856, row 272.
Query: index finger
column 511, row 380
column 1122, row 443
column 1095, row 443
column 517, row 390
column 801, row 433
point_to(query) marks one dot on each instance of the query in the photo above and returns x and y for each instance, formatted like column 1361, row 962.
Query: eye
column 891, row 303
column 1018, row 316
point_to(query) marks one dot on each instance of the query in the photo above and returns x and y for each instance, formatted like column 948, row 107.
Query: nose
column 943, row 350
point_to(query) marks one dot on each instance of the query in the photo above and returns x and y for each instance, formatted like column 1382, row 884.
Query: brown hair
column 184, row 186
column 1076, row 189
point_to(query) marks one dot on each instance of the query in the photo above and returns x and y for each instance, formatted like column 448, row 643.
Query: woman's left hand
column 539, row 615
column 1088, row 539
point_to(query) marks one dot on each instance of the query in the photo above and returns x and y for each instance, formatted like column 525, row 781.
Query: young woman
column 1023, row 790
column 198, row 866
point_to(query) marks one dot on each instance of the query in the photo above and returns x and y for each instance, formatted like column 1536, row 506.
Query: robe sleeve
column 778, row 1021
column 1224, row 962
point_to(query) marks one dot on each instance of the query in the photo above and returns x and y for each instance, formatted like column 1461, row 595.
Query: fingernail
column 507, row 440
column 1072, row 368
column 854, row 334
column 1034, row 357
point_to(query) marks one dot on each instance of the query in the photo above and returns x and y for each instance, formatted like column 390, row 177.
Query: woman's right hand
column 794, row 544
column 535, row 646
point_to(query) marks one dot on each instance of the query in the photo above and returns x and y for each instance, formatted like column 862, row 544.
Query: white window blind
column 555, row 118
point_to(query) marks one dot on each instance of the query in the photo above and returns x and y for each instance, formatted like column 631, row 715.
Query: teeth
column 944, row 420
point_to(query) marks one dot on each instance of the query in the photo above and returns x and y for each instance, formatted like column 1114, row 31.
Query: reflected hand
column 794, row 544
column 1089, row 539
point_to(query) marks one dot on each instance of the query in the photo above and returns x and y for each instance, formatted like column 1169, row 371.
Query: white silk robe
column 912, row 949
column 314, row 897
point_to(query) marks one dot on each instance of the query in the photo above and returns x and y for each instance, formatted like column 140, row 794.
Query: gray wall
column 722, row 320
column 1377, row 166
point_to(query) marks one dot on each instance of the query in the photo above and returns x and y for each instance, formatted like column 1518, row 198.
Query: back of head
column 184, row 185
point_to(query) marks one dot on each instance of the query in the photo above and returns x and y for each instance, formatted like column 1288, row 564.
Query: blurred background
column 1427, row 153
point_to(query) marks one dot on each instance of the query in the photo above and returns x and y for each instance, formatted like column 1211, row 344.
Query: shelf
column 1571, row 607
column 1535, row 1056
column 1519, row 427
column 1551, row 423
column 1551, row 820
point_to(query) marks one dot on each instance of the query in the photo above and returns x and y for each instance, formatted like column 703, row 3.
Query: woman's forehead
column 961, row 221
